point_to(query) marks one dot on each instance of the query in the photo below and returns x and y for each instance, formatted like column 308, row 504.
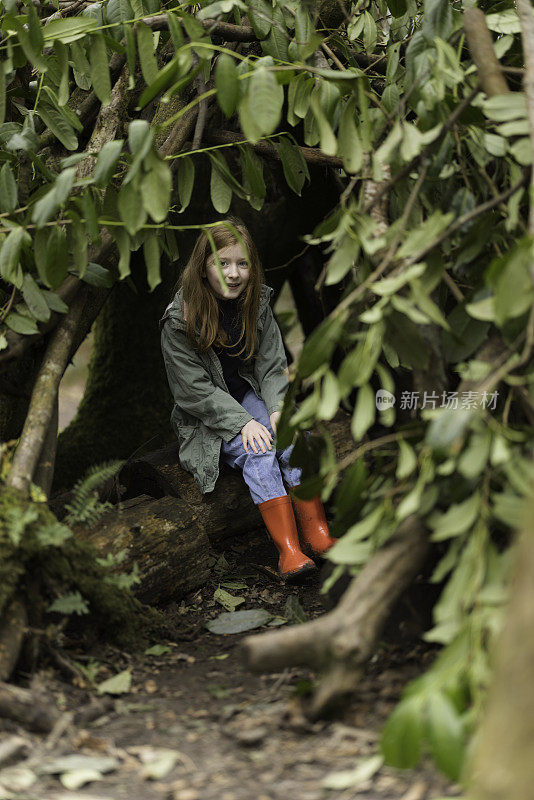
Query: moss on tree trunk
column 127, row 402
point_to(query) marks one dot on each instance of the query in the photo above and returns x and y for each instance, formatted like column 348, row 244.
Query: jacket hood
column 175, row 309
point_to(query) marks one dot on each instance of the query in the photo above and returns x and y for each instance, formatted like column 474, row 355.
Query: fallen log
column 21, row 705
column 339, row 643
column 165, row 539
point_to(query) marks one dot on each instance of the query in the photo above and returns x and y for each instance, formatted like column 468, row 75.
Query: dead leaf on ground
column 349, row 778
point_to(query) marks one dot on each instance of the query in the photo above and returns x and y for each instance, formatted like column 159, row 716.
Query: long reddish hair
column 202, row 315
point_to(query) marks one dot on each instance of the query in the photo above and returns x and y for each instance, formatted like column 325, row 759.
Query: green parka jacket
column 204, row 411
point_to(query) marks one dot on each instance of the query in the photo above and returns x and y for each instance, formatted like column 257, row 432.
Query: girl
column 226, row 368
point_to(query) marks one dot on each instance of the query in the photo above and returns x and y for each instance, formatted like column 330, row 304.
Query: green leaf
column 123, row 243
column 402, row 734
column 55, row 303
column 294, row 164
column 330, row 397
column 68, row 30
column 156, row 187
column 350, row 145
column 448, row 426
column 165, row 78
column 220, row 191
column 58, row 123
column 505, row 107
column 62, row 56
column 260, row 15
column 10, row 255
column 220, row 7
column 345, row 254
column 98, row 276
column 147, row 59
column 276, row 44
column 34, row 299
column 407, row 460
column 265, row 98
column 118, row 684
column 47, row 207
column 98, row 59
column 445, row 734
column 252, row 177
column 185, row 180
column 158, row 650
column 509, row 277
column 239, row 621
column 320, row 344
column 327, row 139
column 370, row 32
column 131, row 210
column 51, row 256
column 8, row 190
column 456, row 520
column 506, row 21
column 106, row 162
column 229, row 601
column 175, row 29
column 131, row 56
column 419, row 237
column 227, row 84
column 364, row 412
column 151, row 253
column 437, row 19
column 388, row 286
column 21, row 324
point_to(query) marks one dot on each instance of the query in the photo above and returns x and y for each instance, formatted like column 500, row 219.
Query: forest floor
column 196, row 725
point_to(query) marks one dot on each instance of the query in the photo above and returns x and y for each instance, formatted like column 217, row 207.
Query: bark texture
column 166, row 540
column 502, row 767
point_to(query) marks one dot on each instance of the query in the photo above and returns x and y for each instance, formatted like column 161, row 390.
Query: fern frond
column 84, row 505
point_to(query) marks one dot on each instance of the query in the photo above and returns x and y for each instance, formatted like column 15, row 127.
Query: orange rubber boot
column 312, row 525
column 280, row 522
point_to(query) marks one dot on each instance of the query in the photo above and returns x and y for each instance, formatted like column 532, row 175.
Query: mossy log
column 166, row 540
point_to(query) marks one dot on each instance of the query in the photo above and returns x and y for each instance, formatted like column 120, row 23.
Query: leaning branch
column 339, row 643
column 43, row 398
column 228, row 31
column 480, row 44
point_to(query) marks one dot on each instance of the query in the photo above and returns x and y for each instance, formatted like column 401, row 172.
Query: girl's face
column 235, row 269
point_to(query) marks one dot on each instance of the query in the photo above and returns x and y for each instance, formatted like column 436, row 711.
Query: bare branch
column 268, row 150
column 43, row 398
column 228, row 31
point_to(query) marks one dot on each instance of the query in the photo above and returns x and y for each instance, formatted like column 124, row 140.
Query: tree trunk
column 127, row 400
column 502, row 767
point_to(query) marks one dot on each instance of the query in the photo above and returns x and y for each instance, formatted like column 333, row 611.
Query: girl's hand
column 256, row 435
column 275, row 416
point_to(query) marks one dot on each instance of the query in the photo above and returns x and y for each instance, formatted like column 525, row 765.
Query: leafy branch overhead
column 113, row 115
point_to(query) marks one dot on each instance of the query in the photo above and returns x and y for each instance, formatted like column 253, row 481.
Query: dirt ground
column 196, row 725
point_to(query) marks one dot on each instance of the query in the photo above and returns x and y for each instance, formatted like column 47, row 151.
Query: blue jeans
column 263, row 472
